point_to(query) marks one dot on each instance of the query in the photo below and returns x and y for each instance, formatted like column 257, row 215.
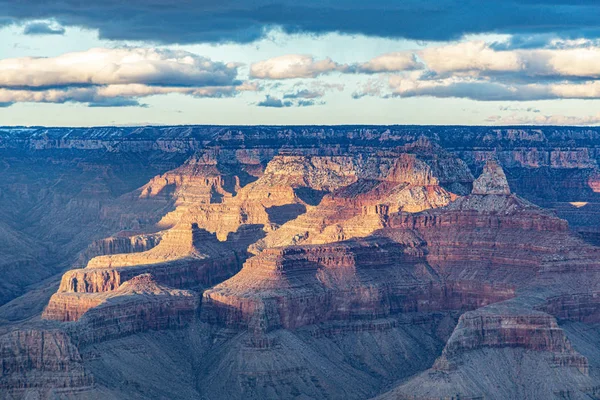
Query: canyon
column 213, row 262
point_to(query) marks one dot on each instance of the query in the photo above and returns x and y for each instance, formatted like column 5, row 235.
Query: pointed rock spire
column 492, row 180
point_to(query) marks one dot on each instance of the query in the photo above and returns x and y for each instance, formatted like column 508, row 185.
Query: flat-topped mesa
column 492, row 180
column 186, row 257
column 122, row 242
column 505, row 345
column 356, row 279
column 138, row 305
column 184, row 240
column 137, row 301
column 501, row 325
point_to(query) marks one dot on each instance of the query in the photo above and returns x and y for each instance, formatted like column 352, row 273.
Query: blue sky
column 261, row 66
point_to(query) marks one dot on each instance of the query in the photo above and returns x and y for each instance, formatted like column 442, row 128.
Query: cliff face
column 298, row 286
column 186, row 257
column 506, row 327
column 41, row 361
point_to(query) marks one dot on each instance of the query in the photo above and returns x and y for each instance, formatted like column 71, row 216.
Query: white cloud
column 480, row 58
column 469, row 56
column 391, row 62
column 103, row 76
column 116, row 66
column 293, row 66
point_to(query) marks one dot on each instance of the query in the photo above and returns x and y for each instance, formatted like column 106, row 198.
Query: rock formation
column 290, row 262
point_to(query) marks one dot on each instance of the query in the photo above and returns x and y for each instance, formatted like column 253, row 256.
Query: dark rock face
column 280, row 262
column 41, row 361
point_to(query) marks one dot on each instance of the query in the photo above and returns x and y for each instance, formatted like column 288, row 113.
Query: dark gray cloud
column 116, row 102
column 43, row 28
column 274, row 102
column 304, row 94
column 184, row 21
column 307, row 103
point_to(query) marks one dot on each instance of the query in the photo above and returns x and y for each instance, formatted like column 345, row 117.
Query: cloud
column 487, row 90
column 293, row 66
column 114, row 95
column 307, row 103
column 515, row 119
column 179, row 21
column 116, row 102
column 480, row 58
column 373, row 87
column 43, row 28
column 304, row 94
column 313, row 90
column 469, row 56
column 274, row 102
column 390, row 62
column 478, row 71
column 117, row 77
column 116, row 66
column 521, row 109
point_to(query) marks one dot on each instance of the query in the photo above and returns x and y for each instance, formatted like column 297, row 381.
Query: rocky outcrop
column 142, row 292
column 497, row 237
column 491, row 181
column 301, row 285
column 186, row 257
column 581, row 307
column 41, row 363
column 523, row 345
column 382, row 187
column 138, row 305
column 509, row 326
column 123, row 242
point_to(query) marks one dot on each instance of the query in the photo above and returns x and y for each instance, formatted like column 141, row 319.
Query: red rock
column 41, row 361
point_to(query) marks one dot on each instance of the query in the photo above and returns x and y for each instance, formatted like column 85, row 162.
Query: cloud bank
column 116, row 77
column 182, row 21
column 479, row 71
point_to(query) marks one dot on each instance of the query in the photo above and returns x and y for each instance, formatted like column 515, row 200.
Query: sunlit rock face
column 289, row 262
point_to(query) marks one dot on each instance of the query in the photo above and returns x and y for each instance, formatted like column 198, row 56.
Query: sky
column 250, row 62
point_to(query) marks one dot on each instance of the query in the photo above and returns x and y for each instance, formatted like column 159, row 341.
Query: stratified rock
column 491, row 181
column 383, row 186
column 41, row 363
column 508, row 325
column 360, row 278
column 123, row 242
column 497, row 352
column 138, row 305
column 186, row 257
